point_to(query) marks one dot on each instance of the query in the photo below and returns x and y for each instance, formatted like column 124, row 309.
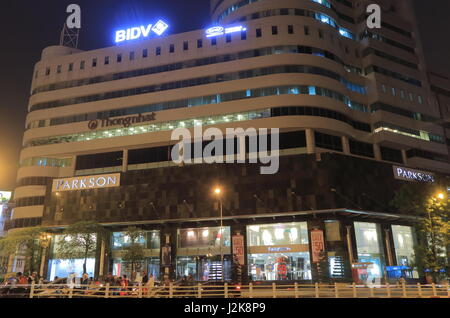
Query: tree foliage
column 24, row 242
column 432, row 228
column 79, row 240
column 134, row 251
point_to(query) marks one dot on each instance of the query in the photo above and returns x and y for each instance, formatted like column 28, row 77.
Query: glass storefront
column 199, row 253
column 150, row 265
column 368, row 243
column 279, row 251
column 150, row 240
column 404, row 244
column 62, row 268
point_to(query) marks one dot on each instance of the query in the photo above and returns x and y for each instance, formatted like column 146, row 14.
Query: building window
column 306, row 29
column 383, row 88
column 145, row 53
column 258, row 33
column 420, row 99
column 119, row 58
column 131, row 55
column 274, row 30
column 199, row 44
column 328, row 141
column 82, row 65
column 290, row 29
column 185, row 45
column 158, row 50
column 106, row 60
column 228, row 38
column 402, row 94
column 101, row 160
column 243, row 35
column 172, row 48
column 213, row 41
column 58, row 69
column 70, row 67
column 394, row 92
column 94, row 62
column 411, row 97
column 321, row 36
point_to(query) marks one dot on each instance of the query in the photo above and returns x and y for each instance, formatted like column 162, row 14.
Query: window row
column 31, row 181
column 29, row 201
column 202, row 100
column 274, row 50
column 164, row 126
column 302, row 69
column 419, row 134
column 46, row 162
column 395, row 75
column 400, row 111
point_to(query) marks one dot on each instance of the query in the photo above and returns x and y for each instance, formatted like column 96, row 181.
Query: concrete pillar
column 387, row 239
column 310, row 141
column 102, row 259
column 404, row 157
column 345, row 145
column 125, row 160
column 43, row 259
column 377, row 151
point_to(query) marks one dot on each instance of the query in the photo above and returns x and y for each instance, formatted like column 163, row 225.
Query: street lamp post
column 218, row 191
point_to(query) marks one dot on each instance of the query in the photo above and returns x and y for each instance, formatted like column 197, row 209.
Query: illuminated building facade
column 350, row 103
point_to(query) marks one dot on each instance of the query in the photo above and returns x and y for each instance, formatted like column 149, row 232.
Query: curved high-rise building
column 356, row 115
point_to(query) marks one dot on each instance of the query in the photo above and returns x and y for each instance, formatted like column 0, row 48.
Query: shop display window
column 404, row 244
column 279, row 266
column 62, row 268
column 370, row 255
column 203, row 237
column 150, row 240
column 277, row 234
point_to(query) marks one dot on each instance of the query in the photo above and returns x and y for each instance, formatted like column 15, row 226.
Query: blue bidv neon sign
column 219, row 30
column 143, row 31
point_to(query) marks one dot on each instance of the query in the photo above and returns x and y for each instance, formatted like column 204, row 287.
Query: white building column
column 345, row 145
column 102, row 259
column 125, row 160
column 377, row 151
column 310, row 141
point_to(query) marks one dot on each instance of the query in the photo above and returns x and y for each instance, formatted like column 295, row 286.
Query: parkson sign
column 86, row 182
column 407, row 174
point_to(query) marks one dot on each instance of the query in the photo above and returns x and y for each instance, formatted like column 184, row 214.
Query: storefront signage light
column 407, row 174
column 141, row 31
column 122, row 121
column 219, row 30
column 86, row 183
column 279, row 249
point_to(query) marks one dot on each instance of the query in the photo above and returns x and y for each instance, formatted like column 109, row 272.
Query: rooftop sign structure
column 143, row 31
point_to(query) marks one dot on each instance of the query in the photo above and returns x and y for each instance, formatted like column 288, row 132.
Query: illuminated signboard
column 141, row 31
column 407, row 174
column 86, row 183
column 5, row 196
column 219, row 30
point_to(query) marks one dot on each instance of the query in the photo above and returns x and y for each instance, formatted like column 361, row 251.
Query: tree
column 432, row 228
column 135, row 250
column 24, row 242
column 79, row 240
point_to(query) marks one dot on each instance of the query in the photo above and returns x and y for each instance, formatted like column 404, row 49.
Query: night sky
column 28, row 26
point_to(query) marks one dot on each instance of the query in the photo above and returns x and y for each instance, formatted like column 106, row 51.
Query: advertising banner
column 317, row 244
column 238, row 248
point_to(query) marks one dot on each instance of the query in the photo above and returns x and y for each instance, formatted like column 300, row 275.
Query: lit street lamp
column 218, row 192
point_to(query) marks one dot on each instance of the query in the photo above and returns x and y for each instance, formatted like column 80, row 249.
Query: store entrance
column 204, row 267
